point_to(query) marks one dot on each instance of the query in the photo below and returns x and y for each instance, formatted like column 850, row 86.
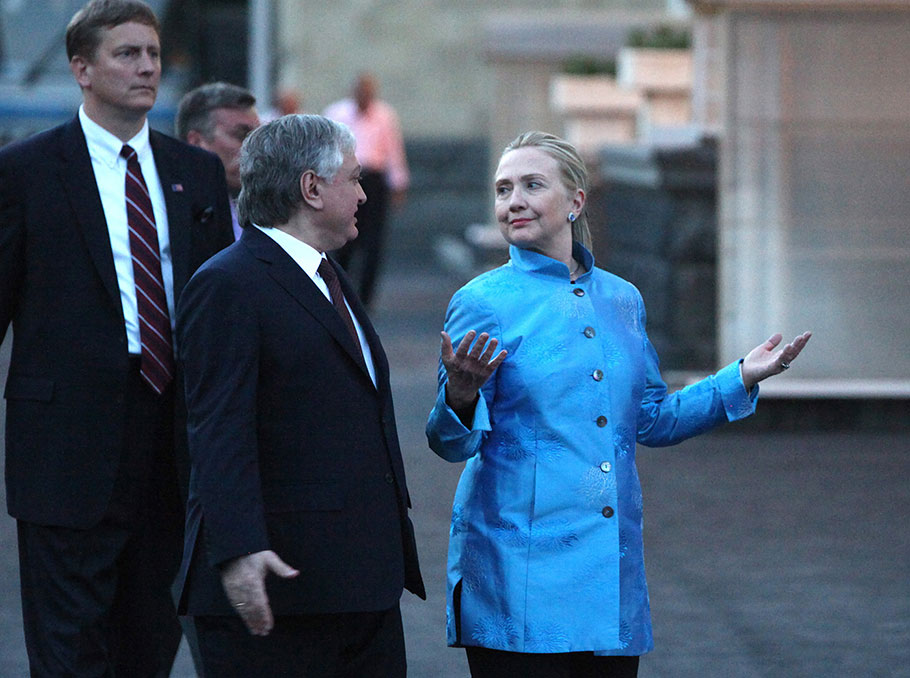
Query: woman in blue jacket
column 546, row 574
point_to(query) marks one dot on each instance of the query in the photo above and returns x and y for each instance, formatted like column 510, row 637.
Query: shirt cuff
column 452, row 422
column 448, row 436
column 738, row 403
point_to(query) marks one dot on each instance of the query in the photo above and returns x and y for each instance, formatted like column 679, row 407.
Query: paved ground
column 769, row 555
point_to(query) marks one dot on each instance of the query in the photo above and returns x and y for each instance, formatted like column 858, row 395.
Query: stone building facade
column 431, row 56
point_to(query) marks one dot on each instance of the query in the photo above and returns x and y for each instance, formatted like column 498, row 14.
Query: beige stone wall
column 430, row 55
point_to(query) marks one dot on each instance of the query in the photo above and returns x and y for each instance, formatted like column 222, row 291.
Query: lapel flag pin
column 177, row 188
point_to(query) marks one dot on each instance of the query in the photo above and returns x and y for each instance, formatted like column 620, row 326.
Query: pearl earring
column 571, row 217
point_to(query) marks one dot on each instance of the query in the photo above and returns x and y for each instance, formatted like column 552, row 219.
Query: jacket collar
column 540, row 264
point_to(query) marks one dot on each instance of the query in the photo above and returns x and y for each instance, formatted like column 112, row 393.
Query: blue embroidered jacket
column 545, row 548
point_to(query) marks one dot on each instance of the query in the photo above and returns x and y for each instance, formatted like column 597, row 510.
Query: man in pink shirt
column 385, row 177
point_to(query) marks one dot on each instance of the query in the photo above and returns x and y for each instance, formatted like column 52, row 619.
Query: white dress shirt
column 110, row 176
column 309, row 259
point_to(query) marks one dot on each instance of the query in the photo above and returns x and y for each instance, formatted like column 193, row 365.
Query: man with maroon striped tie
column 298, row 540
column 102, row 221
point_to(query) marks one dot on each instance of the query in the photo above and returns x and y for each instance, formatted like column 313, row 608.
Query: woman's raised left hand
column 766, row 360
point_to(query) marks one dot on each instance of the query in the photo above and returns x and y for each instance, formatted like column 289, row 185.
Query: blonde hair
column 571, row 166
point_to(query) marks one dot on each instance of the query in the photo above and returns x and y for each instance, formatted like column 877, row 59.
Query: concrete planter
column 664, row 78
column 594, row 110
column 658, row 69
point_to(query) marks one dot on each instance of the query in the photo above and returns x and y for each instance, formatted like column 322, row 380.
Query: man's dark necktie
column 157, row 357
column 331, row 280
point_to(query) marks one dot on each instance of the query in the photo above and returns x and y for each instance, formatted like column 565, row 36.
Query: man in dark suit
column 102, row 222
column 298, row 540
column 218, row 116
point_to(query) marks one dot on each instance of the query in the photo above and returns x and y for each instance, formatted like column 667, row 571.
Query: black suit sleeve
column 217, row 218
column 12, row 248
column 218, row 339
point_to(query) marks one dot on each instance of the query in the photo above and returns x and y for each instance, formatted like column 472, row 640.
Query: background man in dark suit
column 296, row 468
column 96, row 243
column 218, row 116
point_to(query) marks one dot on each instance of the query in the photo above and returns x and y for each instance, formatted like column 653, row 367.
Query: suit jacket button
column 589, row 332
column 607, row 512
column 578, row 292
column 389, row 478
column 606, row 466
column 601, row 421
column 597, row 375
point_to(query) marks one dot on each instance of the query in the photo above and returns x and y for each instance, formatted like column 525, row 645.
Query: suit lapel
column 288, row 274
column 81, row 189
column 380, row 363
column 179, row 219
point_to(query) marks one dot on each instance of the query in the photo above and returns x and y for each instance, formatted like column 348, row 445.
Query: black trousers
column 485, row 663
column 362, row 256
column 349, row 645
column 97, row 602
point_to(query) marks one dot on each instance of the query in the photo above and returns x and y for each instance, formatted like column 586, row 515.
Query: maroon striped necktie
column 154, row 322
column 331, row 280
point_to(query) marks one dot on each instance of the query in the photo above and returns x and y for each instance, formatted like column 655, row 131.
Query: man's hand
column 244, row 583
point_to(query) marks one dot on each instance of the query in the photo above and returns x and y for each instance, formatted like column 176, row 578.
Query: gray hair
column 275, row 156
column 571, row 167
column 195, row 109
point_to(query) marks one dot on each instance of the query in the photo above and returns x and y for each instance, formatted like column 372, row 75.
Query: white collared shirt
column 308, row 258
column 110, row 176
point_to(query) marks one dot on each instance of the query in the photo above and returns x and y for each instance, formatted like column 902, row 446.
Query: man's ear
column 79, row 66
column 194, row 137
column 310, row 189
